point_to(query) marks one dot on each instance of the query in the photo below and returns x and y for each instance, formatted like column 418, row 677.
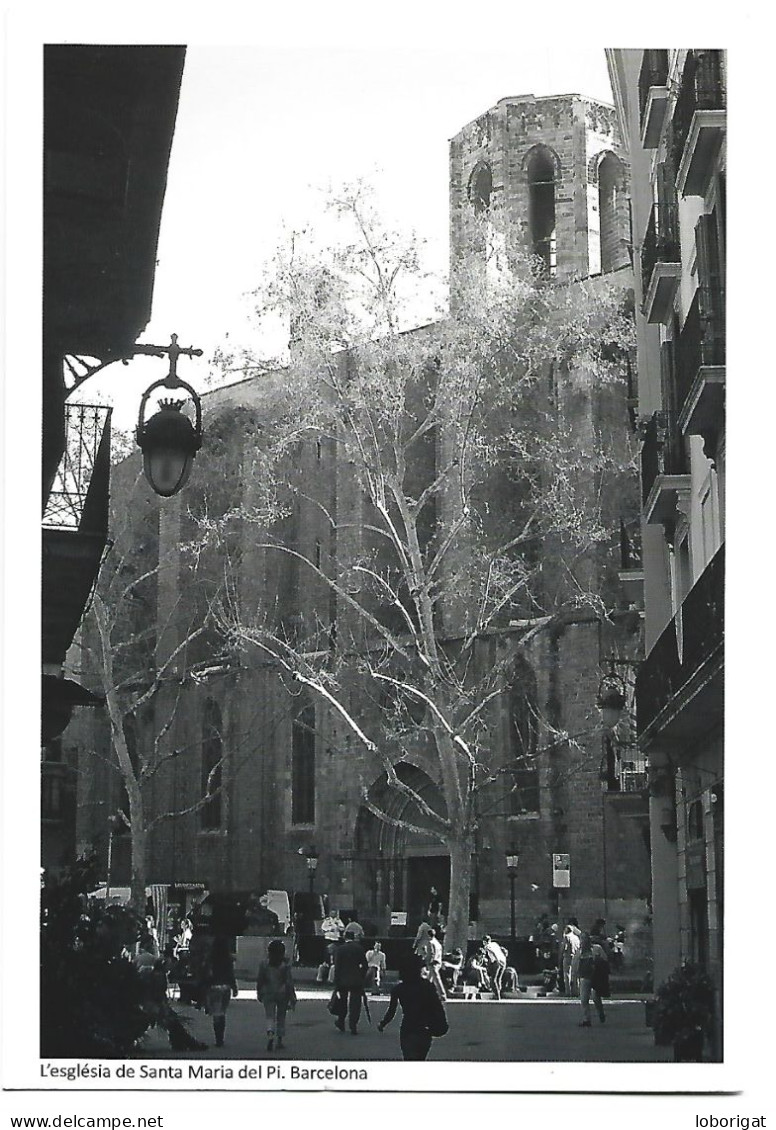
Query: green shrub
column 684, row 1004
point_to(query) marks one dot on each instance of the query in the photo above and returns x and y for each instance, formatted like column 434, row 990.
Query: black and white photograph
column 381, row 579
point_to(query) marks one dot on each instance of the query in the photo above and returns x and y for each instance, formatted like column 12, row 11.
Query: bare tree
column 145, row 652
column 473, row 495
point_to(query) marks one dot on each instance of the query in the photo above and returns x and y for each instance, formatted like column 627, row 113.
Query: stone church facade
column 290, row 778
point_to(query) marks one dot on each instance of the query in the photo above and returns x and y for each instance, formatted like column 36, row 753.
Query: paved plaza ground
column 524, row 1028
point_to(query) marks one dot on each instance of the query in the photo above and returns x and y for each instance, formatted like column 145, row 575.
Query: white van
column 278, row 903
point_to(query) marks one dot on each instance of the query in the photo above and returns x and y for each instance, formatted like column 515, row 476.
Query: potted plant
column 684, row 1012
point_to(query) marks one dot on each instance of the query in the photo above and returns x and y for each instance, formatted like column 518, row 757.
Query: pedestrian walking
column 591, row 968
column 434, row 964
column 420, row 945
column 423, row 1014
column 275, row 990
column 599, row 936
column 219, row 985
column 349, row 979
column 569, row 946
column 375, row 960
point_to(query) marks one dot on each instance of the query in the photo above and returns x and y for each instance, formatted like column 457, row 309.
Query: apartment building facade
column 672, row 110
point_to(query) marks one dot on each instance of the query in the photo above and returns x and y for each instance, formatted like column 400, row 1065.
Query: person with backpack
column 423, row 1014
column 591, row 967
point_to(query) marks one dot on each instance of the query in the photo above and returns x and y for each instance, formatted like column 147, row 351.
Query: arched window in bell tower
column 541, row 208
column 485, row 236
column 612, row 211
column 481, row 188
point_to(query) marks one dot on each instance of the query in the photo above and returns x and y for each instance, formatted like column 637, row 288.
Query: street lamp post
column 512, row 861
column 312, row 863
column 114, row 824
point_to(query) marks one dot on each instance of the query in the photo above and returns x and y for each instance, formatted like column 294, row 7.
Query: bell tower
column 555, row 167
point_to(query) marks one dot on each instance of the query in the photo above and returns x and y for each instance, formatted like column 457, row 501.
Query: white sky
column 261, row 131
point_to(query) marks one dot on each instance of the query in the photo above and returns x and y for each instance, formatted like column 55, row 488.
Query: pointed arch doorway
column 395, row 868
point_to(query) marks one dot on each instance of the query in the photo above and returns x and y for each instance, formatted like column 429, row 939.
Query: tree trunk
column 139, row 838
column 457, row 929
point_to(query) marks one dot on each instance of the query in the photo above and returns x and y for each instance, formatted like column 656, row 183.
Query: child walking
column 275, row 990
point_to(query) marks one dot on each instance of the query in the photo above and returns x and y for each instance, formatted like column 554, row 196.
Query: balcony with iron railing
column 664, row 470
column 87, row 430
column 653, row 96
column 660, row 261
column 75, row 526
column 700, row 364
column 679, row 685
column 699, row 120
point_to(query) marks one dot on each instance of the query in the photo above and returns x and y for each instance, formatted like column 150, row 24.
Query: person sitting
column 452, row 967
column 332, row 927
column 475, row 975
column 355, row 929
column 511, row 982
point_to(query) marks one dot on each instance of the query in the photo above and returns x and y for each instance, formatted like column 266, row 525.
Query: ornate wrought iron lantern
column 169, row 441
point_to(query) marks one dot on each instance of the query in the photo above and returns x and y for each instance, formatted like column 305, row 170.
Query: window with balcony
column 653, row 95
column 698, row 126
column 711, row 268
column 701, row 342
column 660, row 260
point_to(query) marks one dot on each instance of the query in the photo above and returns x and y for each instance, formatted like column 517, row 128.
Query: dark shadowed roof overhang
column 109, row 118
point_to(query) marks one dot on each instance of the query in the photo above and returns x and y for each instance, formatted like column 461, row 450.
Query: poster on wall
column 561, row 870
